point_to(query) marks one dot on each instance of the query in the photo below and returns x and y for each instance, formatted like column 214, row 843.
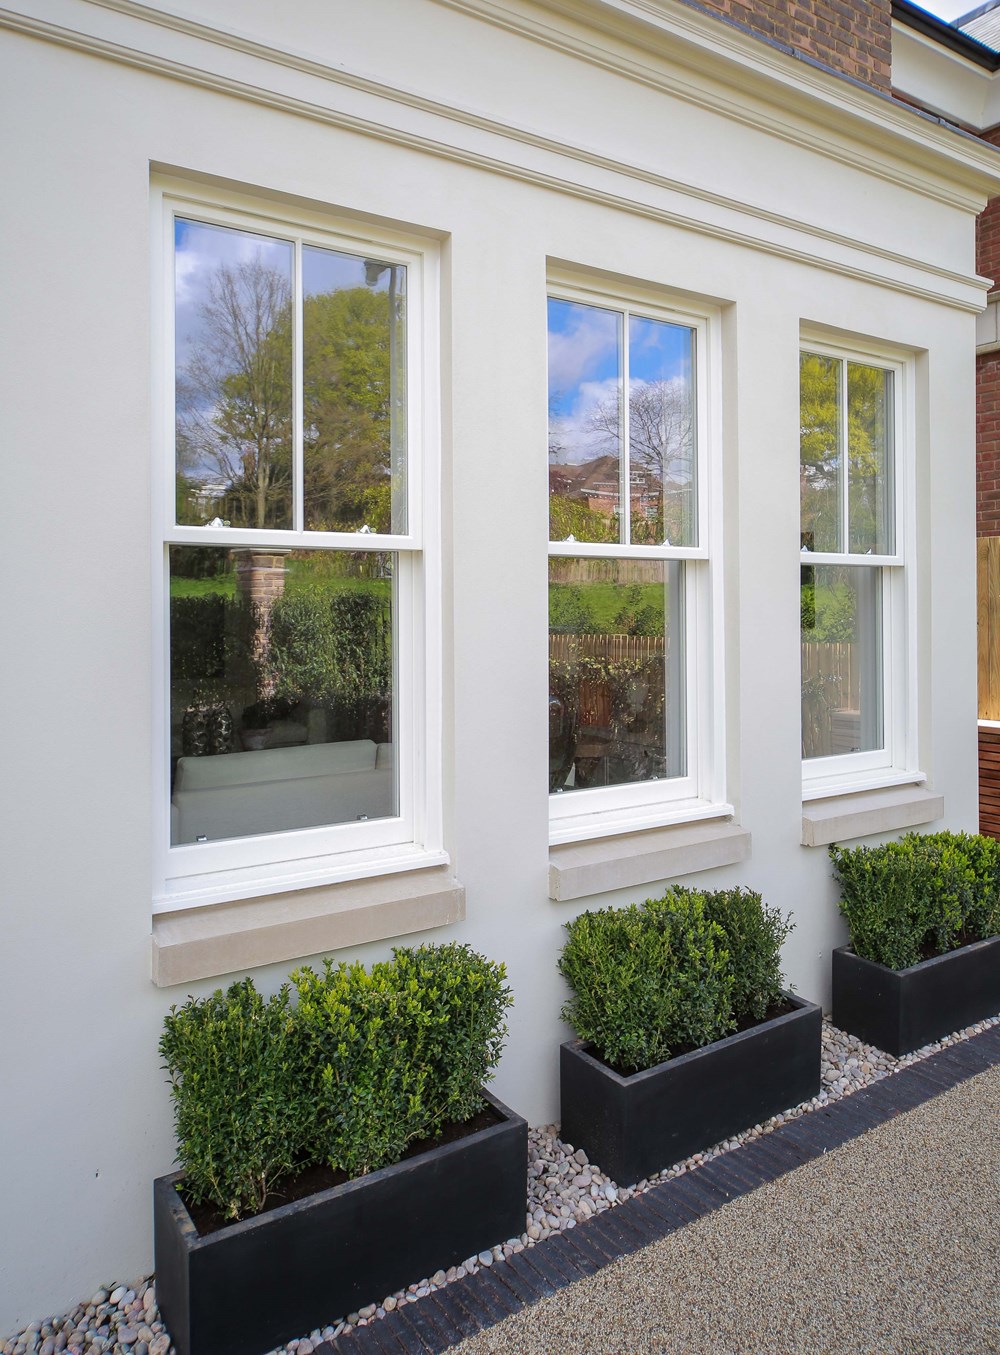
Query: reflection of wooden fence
column 831, row 697
column 595, row 696
column 835, row 667
column 988, row 605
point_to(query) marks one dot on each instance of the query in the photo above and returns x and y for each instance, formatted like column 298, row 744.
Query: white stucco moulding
column 793, row 101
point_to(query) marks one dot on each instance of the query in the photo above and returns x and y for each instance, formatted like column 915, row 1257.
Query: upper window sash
column 637, row 402
column 849, row 413
column 395, row 275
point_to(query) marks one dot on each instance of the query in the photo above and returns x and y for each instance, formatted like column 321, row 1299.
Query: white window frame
column 193, row 874
column 896, row 762
column 603, row 811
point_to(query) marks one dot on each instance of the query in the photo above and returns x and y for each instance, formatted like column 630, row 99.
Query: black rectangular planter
column 260, row 1282
column 633, row 1126
column 900, row 1010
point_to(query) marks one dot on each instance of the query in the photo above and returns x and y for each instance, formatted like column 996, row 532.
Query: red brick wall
column 988, row 228
column 988, row 444
column 988, row 378
column 853, row 37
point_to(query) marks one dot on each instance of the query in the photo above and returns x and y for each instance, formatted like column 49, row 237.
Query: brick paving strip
column 446, row 1316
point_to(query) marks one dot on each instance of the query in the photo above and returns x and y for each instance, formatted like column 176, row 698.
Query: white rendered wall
column 87, row 1123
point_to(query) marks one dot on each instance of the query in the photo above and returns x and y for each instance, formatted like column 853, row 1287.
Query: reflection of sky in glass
column 585, row 360
column 199, row 251
column 325, row 270
column 658, row 351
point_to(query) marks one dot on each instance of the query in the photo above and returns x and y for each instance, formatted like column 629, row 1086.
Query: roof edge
column 945, row 34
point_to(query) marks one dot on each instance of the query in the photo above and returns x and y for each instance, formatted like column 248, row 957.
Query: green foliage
column 647, row 980
column 921, row 896
column 569, row 611
column 363, row 1064
column 572, row 517
column 754, row 935
column 333, row 647
column 397, row 1053
column 238, row 1095
column 636, row 616
column 366, row 1089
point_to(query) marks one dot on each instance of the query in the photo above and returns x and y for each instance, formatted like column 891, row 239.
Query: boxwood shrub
column 361, row 1065
column 672, row 973
column 922, row 896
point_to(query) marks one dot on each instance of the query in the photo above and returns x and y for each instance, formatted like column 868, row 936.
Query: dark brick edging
column 446, row 1316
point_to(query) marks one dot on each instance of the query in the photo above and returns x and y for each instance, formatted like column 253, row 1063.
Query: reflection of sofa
column 237, row 794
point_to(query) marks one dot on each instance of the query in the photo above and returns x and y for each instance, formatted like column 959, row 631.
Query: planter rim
column 921, row 964
column 194, row 1239
column 582, row 1048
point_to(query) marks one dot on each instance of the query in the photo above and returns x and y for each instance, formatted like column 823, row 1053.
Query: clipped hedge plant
column 398, row 1053
column 672, row 973
column 922, row 896
column 240, row 1106
column 363, row 1064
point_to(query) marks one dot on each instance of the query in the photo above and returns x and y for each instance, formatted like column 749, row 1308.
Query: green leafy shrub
column 921, row 896
column 238, row 1095
column 754, row 936
column 361, row 1066
column 397, row 1053
column 648, row 979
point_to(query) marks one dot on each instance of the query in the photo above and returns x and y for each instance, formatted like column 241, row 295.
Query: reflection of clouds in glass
column 659, row 351
column 583, row 345
column 326, row 270
column 199, row 251
column 573, row 434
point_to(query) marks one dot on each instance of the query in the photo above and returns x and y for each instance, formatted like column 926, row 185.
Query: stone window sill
column 865, row 813
column 226, row 938
column 579, row 869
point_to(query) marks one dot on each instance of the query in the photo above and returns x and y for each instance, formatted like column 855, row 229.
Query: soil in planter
column 781, row 1008
column 312, row 1180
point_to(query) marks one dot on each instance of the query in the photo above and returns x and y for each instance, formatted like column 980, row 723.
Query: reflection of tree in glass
column 234, row 403
column 234, row 396
column 347, row 398
column 661, row 443
column 821, row 453
column 819, row 450
column 867, row 434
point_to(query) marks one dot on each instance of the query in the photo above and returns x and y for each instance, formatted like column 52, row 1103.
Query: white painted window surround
column 889, row 760
column 346, row 872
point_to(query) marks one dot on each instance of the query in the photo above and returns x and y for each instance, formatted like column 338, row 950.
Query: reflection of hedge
column 198, row 637
column 332, row 646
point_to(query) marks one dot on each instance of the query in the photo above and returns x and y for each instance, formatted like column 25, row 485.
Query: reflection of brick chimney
column 260, row 574
column 260, row 578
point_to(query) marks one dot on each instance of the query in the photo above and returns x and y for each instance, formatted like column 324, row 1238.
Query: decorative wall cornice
column 780, row 235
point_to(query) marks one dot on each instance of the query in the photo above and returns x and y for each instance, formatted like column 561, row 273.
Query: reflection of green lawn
column 299, row 574
column 602, row 603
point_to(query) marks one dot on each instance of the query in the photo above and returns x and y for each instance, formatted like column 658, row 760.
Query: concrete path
column 887, row 1245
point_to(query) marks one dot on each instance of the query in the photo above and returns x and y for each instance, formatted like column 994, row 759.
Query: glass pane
column 842, row 682
column 616, row 672
column 281, row 690
column 233, row 364
column 585, row 422
column 869, row 437
column 353, row 392
column 820, row 461
column 661, row 433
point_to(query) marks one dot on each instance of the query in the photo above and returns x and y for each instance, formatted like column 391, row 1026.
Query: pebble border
column 564, row 1190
